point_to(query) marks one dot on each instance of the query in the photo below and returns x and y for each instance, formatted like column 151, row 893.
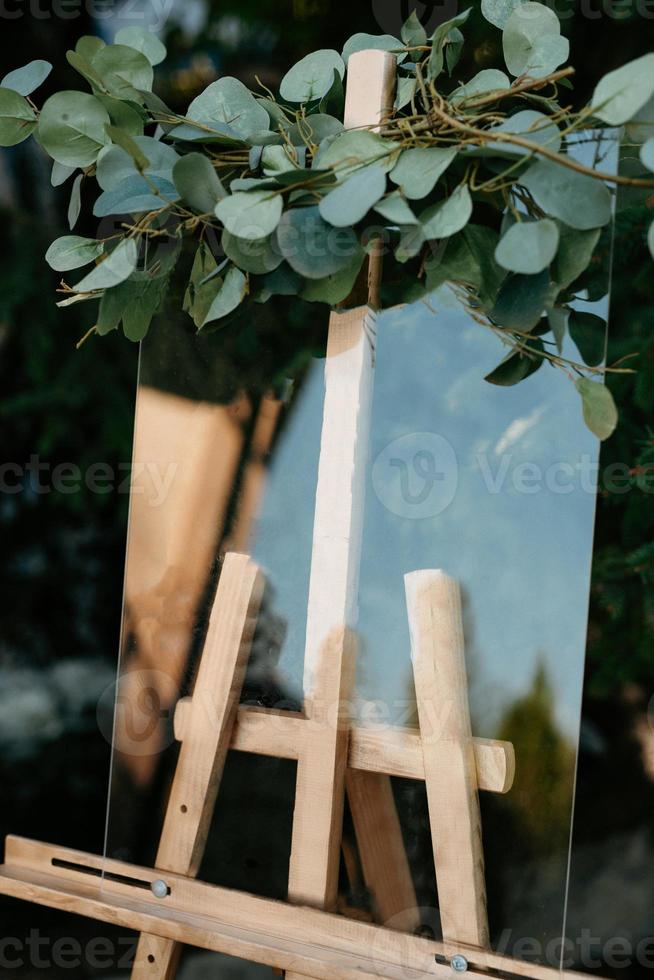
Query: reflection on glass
column 496, row 486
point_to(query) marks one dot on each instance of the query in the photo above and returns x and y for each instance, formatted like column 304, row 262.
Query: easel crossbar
column 292, row 938
column 391, row 751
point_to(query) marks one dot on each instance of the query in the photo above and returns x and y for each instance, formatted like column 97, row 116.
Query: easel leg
column 381, row 849
column 437, row 650
column 206, row 738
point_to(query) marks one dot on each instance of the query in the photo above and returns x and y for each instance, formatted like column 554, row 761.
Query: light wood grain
column 437, row 651
column 390, row 751
column 295, row 939
column 320, row 784
column 211, row 716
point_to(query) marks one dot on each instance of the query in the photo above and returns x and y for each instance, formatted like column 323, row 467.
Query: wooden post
column 437, row 650
column 207, row 736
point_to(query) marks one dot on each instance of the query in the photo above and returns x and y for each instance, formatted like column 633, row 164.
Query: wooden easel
column 331, row 753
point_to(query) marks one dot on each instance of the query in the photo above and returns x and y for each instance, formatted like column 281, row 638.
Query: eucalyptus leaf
column 258, row 257
column 521, row 301
column 87, row 71
column 123, row 70
column 250, row 214
column 517, row 367
column 557, row 319
column 26, row 80
column 439, row 39
column 418, row 170
column 146, row 301
column 578, row 200
column 197, row 131
column 576, row 249
column 589, row 334
column 72, row 128
column 130, row 147
column 312, row 77
column 600, row 413
column 313, row 248
column 202, row 287
column 276, row 160
column 414, row 34
column 127, row 116
column 231, row 294
column 395, row 209
column 373, row 42
column 349, row 203
column 412, row 239
column 17, row 118
column 449, row 216
column 468, row 258
column 88, row 46
column 406, row 90
column 499, row 11
column 144, row 41
column 532, row 41
column 528, row 246
column 333, row 104
column 532, row 125
column 453, row 49
column 335, row 288
column 282, row 282
column 75, row 202
column 136, row 195
column 115, row 164
column 313, row 129
column 350, row 150
column 61, row 173
column 488, row 80
column 622, row 93
column 229, row 103
column 118, row 266
column 72, row 252
column 198, row 183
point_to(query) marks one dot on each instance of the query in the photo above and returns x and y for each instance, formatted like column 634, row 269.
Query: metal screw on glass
column 459, row 963
column 159, row 888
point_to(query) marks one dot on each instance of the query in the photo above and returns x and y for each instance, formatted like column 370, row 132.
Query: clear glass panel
column 494, row 485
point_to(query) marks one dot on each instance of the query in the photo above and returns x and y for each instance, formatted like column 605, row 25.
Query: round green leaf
column 577, row 200
column 499, row 11
column 449, row 216
column 88, row 46
column 374, row 42
column 228, row 102
column 313, row 248
column 350, row 201
column 530, row 124
column 250, row 214
column 647, row 153
column 528, row 246
column 623, row 92
column 521, row 301
column 118, row 266
column 576, row 249
column 532, row 41
column 72, row 252
column 414, row 34
column 350, row 150
column 229, row 297
column 115, row 164
column 125, row 115
column 197, row 181
column 136, row 195
column 17, row 118
column 396, row 210
column 517, row 367
column 335, row 288
column 123, row 70
column 488, row 80
column 418, row 170
column 26, row 80
column 600, row 413
column 313, row 77
column 143, row 41
column 589, row 334
column 72, row 128
column 258, row 257
column 61, row 173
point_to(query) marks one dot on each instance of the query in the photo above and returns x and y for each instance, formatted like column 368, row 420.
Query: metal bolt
column 159, row 888
column 459, row 963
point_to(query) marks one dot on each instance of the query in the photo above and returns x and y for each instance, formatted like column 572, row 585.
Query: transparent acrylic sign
column 496, row 486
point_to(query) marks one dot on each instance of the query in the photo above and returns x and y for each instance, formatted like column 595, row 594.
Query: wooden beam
column 315, row 943
column 207, row 738
column 437, row 651
column 390, row 751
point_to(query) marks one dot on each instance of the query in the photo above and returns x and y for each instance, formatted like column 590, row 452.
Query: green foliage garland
column 474, row 184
